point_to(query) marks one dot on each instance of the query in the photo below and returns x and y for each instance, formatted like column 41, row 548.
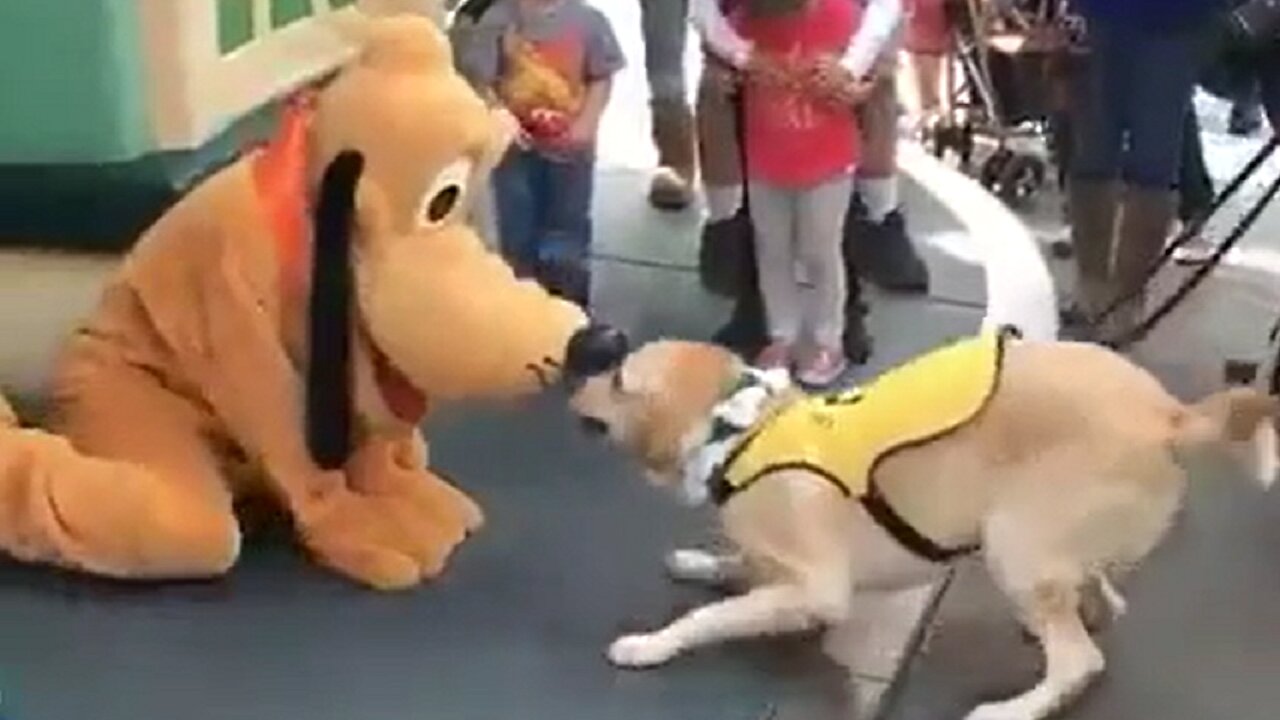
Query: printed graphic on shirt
column 543, row 83
column 792, row 108
column 795, row 136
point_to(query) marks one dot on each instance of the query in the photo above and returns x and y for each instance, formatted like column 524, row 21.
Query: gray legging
column 803, row 226
column 664, row 24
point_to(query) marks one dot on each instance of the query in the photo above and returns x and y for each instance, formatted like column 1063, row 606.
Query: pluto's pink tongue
column 404, row 400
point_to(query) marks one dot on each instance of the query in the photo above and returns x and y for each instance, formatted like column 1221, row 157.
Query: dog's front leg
column 766, row 610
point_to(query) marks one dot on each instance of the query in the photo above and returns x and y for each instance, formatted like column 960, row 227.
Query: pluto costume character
column 281, row 330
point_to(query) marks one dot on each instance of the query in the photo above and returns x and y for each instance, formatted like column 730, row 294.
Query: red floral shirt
column 793, row 139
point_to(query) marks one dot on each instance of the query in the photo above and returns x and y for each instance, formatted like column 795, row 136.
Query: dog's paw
column 695, row 566
column 1009, row 710
column 1115, row 601
column 638, row 651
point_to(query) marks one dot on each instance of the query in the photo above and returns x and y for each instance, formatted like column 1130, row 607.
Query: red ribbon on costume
column 280, row 174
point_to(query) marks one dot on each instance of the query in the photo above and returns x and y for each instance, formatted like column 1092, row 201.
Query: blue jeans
column 1132, row 102
column 544, row 217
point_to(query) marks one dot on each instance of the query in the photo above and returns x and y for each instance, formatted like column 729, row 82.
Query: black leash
column 1190, row 231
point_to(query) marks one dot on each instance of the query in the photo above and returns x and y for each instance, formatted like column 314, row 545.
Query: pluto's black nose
column 594, row 350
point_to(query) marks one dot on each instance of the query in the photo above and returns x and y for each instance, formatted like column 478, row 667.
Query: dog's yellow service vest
column 843, row 435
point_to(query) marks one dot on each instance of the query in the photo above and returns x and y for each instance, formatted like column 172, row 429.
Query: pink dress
column 793, row 140
column 928, row 32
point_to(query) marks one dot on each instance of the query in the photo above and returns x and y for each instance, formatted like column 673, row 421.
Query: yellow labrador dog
column 1063, row 469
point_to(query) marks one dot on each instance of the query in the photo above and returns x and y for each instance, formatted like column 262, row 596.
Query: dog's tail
column 1241, row 420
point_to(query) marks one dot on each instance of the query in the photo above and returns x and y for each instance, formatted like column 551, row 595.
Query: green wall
column 71, row 82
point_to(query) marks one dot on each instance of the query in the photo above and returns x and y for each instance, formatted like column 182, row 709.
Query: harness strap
column 886, row 517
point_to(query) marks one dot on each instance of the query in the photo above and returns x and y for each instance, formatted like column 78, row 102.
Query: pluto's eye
column 445, row 194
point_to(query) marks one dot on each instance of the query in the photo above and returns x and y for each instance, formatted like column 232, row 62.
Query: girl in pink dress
column 801, row 135
column 927, row 43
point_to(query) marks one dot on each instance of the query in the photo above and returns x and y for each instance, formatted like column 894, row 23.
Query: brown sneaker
column 674, row 138
column 823, row 367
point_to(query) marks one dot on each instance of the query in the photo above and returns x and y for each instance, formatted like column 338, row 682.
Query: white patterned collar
column 730, row 419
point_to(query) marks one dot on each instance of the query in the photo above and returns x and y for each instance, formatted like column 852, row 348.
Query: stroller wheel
column 931, row 138
column 1021, row 178
column 967, row 144
column 992, row 169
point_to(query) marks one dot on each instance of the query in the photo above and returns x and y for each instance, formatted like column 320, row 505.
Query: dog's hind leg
column 1045, row 587
column 1072, row 659
column 1116, row 603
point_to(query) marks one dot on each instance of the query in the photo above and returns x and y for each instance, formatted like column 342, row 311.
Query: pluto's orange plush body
column 281, row 330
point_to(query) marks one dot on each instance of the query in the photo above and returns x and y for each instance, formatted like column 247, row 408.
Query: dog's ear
column 329, row 330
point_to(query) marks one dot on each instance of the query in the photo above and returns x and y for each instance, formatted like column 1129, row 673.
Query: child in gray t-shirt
column 551, row 64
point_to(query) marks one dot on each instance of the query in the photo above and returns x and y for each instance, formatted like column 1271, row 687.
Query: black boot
column 857, row 343
column 566, row 279
column 726, row 255
column 1246, row 116
column 884, row 252
column 746, row 332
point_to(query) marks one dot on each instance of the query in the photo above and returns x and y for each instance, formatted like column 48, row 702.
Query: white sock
column 723, row 202
column 879, row 195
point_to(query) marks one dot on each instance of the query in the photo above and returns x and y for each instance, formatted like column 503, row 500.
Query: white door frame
column 194, row 91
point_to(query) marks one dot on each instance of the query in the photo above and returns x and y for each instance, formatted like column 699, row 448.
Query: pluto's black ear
column 329, row 376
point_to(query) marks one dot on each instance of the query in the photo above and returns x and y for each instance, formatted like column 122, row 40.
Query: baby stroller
column 1007, row 53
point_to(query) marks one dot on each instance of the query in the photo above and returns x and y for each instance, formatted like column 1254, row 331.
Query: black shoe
column 883, row 252
column 745, row 332
column 856, row 341
column 1245, row 119
column 566, row 279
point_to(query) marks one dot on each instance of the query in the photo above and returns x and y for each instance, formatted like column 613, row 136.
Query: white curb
column 1020, row 290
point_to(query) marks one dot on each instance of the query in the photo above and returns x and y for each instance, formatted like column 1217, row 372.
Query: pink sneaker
column 776, row 356
column 823, row 367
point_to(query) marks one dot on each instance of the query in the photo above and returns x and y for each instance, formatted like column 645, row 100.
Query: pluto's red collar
column 280, row 176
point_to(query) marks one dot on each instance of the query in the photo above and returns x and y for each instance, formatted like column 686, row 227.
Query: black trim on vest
column 904, row 533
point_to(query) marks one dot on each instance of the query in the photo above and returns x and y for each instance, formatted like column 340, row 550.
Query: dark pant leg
column 1164, row 68
column 1098, row 122
column 565, row 241
column 1269, row 83
column 515, row 197
column 1195, row 187
column 664, row 27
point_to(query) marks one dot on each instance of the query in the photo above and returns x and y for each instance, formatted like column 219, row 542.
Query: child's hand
column 765, row 71
column 834, row 83
column 582, row 132
column 720, row 77
column 577, row 136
